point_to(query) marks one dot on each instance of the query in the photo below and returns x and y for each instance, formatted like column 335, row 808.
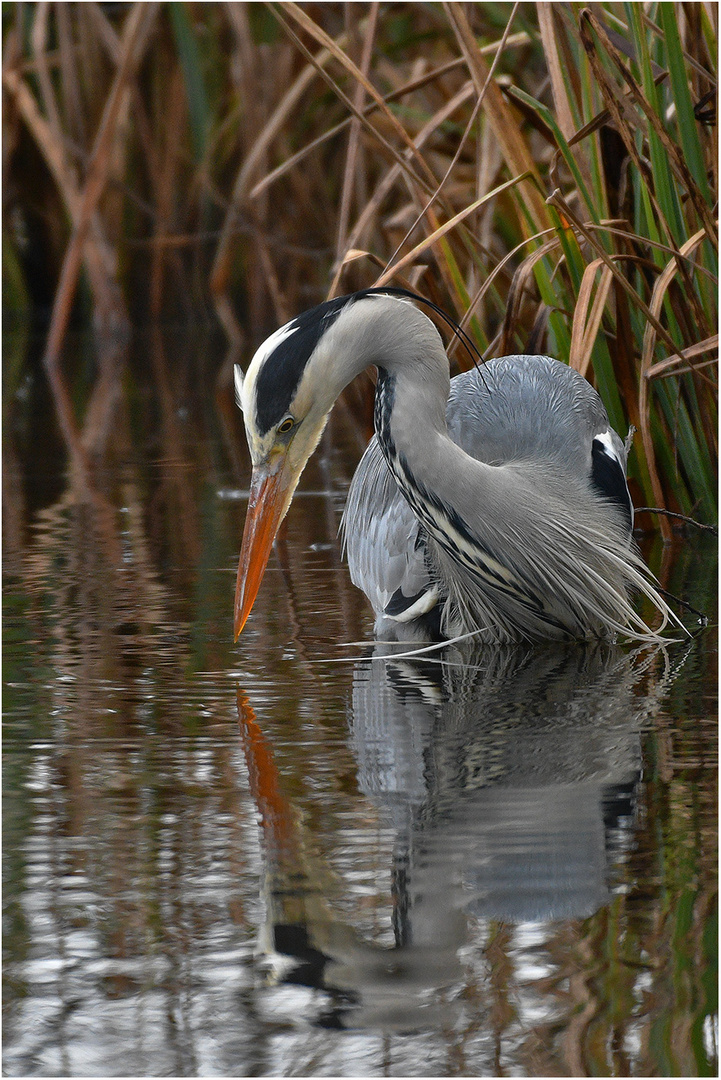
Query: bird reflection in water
column 504, row 773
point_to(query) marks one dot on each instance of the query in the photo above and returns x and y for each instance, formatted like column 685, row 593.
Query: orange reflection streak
column 276, row 813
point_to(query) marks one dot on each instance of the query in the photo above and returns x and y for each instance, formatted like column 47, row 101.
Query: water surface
column 238, row 860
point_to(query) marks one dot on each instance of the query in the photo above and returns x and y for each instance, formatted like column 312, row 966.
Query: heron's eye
column 286, row 425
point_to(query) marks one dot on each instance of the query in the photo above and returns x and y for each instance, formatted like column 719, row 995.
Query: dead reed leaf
column 507, row 132
column 350, row 173
column 649, row 343
column 421, row 185
column 564, row 114
column 517, row 291
column 585, row 327
column 407, row 88
column 442, row 230
column 671, row 365
column 461, row 142
column 657, row 298
column 588, row 234
column 500, row 269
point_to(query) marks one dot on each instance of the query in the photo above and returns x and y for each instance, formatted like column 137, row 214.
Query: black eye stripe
column 279, row 377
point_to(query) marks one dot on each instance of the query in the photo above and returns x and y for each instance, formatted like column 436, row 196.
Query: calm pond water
column 247, row 861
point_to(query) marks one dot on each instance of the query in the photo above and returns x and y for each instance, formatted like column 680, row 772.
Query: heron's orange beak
column 270, row 495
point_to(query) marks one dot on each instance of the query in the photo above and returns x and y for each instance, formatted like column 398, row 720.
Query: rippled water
column 243, row 860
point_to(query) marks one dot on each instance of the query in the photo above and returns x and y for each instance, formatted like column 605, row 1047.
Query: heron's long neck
column 410, row 405
column 435, row 475
column 410, row 414
column 410, row 422
column 411, row 400
column 413, row 383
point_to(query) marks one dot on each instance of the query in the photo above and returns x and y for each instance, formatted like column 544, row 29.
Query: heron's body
column 545, row 465
column 495, row 503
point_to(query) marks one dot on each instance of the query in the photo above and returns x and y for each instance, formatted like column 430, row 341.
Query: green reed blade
column 191, row 64
column 687, row 123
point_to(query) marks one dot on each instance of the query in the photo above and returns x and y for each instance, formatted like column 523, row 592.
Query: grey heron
column 494, row 503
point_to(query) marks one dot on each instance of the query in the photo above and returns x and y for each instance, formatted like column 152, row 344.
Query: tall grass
column 545, row 172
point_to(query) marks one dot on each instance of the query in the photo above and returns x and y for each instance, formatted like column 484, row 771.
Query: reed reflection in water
column 487, row 863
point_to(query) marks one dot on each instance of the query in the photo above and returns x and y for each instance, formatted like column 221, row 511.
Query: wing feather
column 383, row 538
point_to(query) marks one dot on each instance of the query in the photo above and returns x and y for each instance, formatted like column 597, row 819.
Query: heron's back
column 533, row 408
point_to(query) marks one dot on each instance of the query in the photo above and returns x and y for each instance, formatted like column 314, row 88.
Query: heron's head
column 290, row 388
column 286, row 395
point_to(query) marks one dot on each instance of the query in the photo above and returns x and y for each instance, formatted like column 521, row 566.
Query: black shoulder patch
column 281, row 373
column 609, row 479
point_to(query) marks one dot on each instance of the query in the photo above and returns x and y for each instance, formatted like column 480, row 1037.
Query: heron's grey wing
column 534, row 407
column 385, row 543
